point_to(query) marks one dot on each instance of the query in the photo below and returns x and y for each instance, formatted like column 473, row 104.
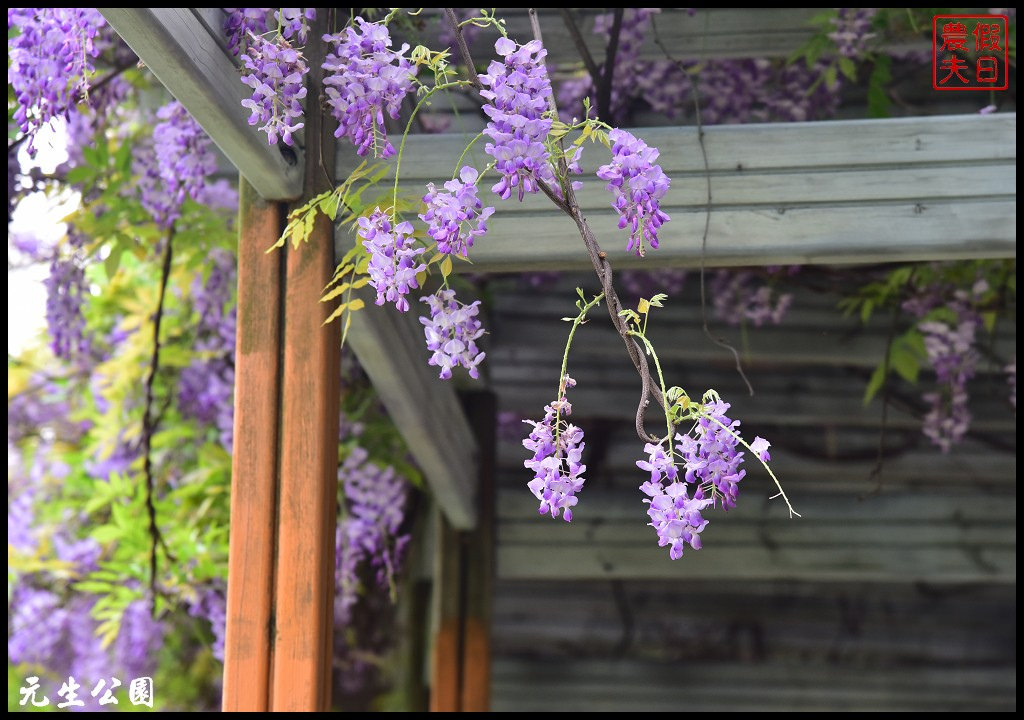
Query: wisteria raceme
column 638, row 185
column 394, row 258
column 276, row 74
column 518, row 93
column 852, row 34
column 295, row 22
column 66, row 292
column 138, row 640
column 741, row 296
column 557, row 448
column 50, row 62
column 184, row 152
column 452, row 331
column 174, row 166
column 206, row 386
column 242, row 23
column 209, row 604
column 952, row 355
column 677, row 517
column 455, row 216
column 369, row 534
column 364, row 80
column 711, row 456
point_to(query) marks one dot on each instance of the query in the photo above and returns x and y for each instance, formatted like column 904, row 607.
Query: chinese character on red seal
column 970, row 52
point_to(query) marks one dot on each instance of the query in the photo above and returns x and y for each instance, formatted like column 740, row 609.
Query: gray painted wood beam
column 177, row 45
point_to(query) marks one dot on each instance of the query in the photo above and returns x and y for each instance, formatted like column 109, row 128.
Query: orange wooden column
column 307, row 501
column 464, row 587
column 254, row 460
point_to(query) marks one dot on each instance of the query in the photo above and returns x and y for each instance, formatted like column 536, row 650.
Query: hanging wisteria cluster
column 456, row 216
column 637, row 185
column 368, row 537
column 452, row 331
column 50, row 62
column 276, row 74
column 365, row 79
column 518, row 92
column 394, row 258
column 557, row 446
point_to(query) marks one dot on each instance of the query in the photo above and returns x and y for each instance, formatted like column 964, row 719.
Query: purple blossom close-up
column 394, row 258
column 456, row 216
column 452, row 331
column 276, row 74
column 637, row 185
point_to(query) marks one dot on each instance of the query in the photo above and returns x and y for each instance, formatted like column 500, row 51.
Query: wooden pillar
column 254, row 461
column 307, row 507
column 481, row 411
column 463, row 587
column 278, row 653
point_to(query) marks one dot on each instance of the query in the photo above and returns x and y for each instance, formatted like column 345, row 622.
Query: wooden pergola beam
column 177, row 45
column 854, row 191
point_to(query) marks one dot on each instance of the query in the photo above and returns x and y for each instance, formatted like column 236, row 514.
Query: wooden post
column 307, row 508
column 463, row 586
column 254, row 460
column 481, row 411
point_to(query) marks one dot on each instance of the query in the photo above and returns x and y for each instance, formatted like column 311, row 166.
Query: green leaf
column 865, row 311
column 878, row 82
column 875, row 383
column 643, row 306
column 848, row 68
column 113, row 261
column 446, row 266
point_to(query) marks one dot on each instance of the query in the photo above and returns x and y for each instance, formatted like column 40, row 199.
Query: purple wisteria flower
column 673, row 513
column 66, row 293
column 295, row 22
column 276, row 76
column 557, row 448
column 210, row 604
column 638, row 185
column 743, row 296
column 456, row 216
column 206, row 386
column 364, row 79
column 50, row 62
column 394, row 259
column 710, row 455
column 175, row 166
column 851, row 34
column 951, row 352
column 518, row 94
column 242, row 23
column 369, row 534
column 452, row 331
column 677, row 517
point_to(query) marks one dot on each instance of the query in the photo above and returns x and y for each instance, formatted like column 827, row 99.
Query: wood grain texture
column 307, row 508
column 446, row 621
column 851, row 191
column 176, row 44
column 254, row 460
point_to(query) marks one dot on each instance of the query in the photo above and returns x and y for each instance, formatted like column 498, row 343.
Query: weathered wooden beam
column 887, row 538
column 247, row 647
column 706, row 33
column 176, row 44
column 307, row 501
column 858, row 191
column 424, row 409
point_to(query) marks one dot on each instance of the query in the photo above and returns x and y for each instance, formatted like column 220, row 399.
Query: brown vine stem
column 603, row 269
column 720, row 342
column 598, row 258
column 149, row 426
column 581, row 46
column 604, row 90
